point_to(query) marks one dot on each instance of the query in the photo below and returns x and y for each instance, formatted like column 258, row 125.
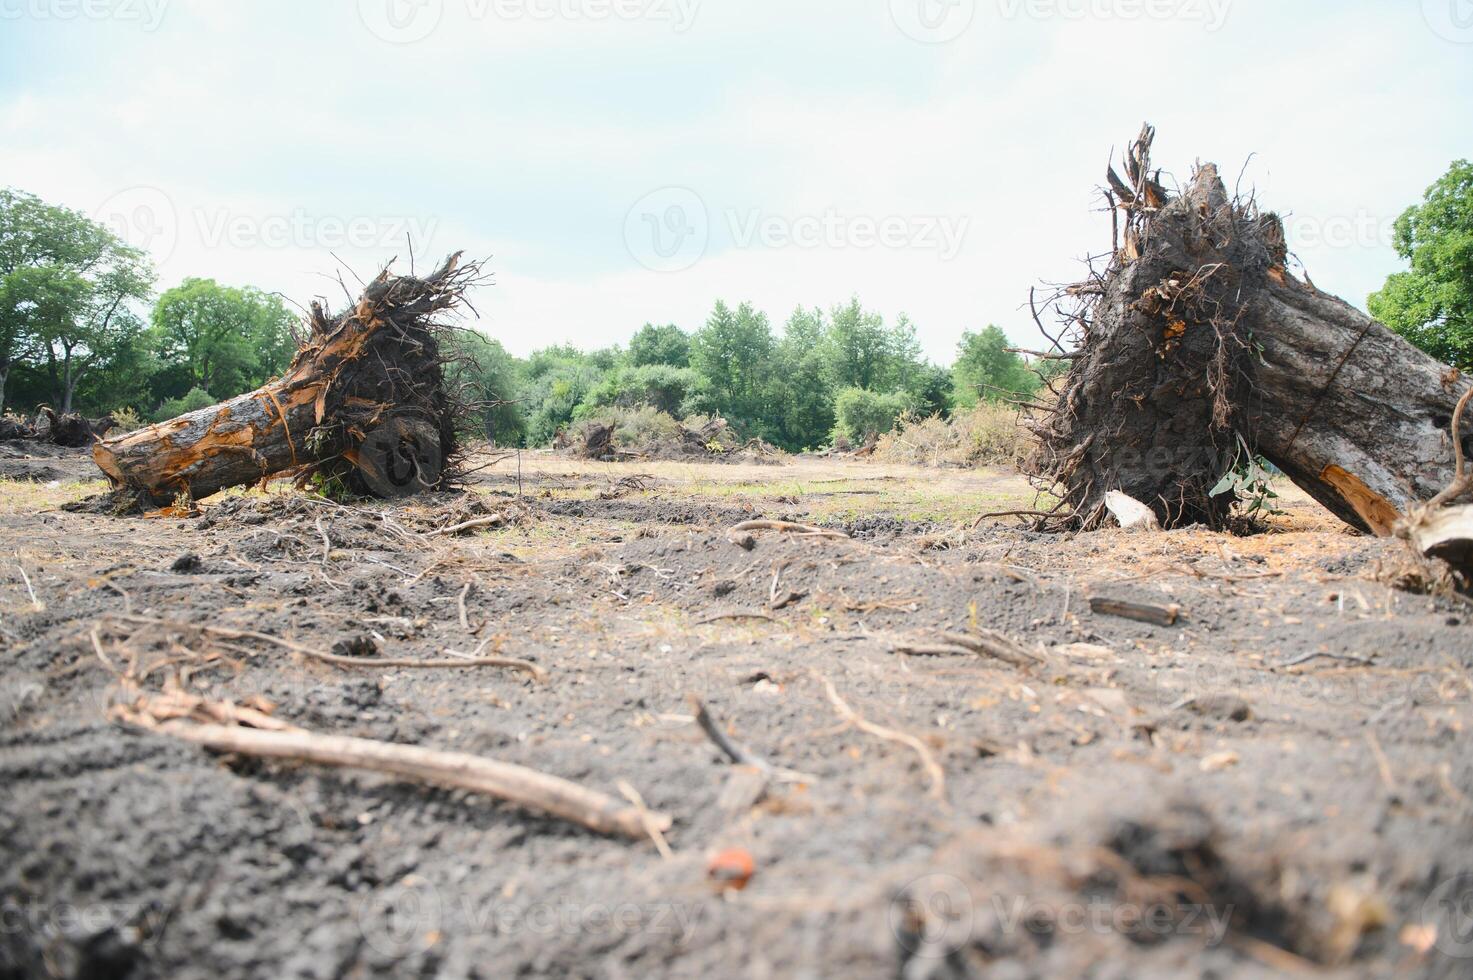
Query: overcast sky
column 624, row 161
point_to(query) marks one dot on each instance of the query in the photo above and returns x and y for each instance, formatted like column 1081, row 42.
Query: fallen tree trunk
column 364, row 402
column 1197, row 350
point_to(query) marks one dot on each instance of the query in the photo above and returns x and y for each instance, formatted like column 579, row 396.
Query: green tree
column 678, row 392
column 487, row 375
column 733, row 351
column 986, row 369
column 859, row 349
column 860, row 413
column 930, row 391
column 660, row 345
column 220, row 339
column 67, row 291
column 1432, row 304
column 558, row 381
column 191, row 401
column 801, row 398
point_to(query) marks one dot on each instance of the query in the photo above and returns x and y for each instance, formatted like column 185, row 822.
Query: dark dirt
column 41, row 462
column 1192, row 801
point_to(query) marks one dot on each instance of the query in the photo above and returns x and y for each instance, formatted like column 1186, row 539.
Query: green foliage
column 67, row 292
column 860, row 413
column 127, row 419
column 219, row 339
column 1250, row 481
column 678, row 392
column 930, row 391
column 192, row 401
column 660, row 345
column 986, row 370
column 559, row 380
column 491, row 379
column 733, row 351
column 861, row 352
column 72, row 334
column 1432, row 304
column 800, row 398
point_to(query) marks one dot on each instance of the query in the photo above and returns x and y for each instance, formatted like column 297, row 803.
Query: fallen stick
column 787, row 527
column 983, row 643
column 739, row 614
column 851, row 717
column 1141, row 612
column 990, row 643
column 361, row 663
column 36, row 604
column 524, row 787
column 733, row 751
column 495, row 520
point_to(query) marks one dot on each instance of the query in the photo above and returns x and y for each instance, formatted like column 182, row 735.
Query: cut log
column 1198, row 334
column 364, row 401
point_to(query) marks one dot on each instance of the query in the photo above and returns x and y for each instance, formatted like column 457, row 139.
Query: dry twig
column 853, row 719
column 272, row 739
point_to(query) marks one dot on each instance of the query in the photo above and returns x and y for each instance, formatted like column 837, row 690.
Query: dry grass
column 30, row 497
column 990, row 434
column 823, row 489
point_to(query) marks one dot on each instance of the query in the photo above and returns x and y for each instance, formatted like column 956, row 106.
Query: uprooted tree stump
column 1196, row 351
column 70, row 431
column 364, row 402
column 1197, row 346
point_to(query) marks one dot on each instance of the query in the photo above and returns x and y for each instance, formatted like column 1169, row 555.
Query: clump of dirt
column 39, row 461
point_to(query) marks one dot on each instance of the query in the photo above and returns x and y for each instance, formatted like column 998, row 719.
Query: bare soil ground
column 1278, row 784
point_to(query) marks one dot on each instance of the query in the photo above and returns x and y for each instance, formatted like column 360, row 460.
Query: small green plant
column 1250, row 480
column 127, row 420
column 193, row 401
column 332, row 487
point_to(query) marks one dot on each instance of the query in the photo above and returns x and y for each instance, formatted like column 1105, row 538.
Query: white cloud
column 529, row 139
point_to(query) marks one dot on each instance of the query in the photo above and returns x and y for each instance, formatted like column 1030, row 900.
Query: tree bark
column 363, row 401
column 1198, row 340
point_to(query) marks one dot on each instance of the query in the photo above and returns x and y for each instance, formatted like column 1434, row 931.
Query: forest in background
column 81, row 329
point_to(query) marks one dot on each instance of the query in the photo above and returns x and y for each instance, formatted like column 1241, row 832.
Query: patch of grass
column 30, row 497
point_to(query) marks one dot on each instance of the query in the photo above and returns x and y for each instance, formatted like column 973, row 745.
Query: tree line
column 825, row 374
column 81, row 330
